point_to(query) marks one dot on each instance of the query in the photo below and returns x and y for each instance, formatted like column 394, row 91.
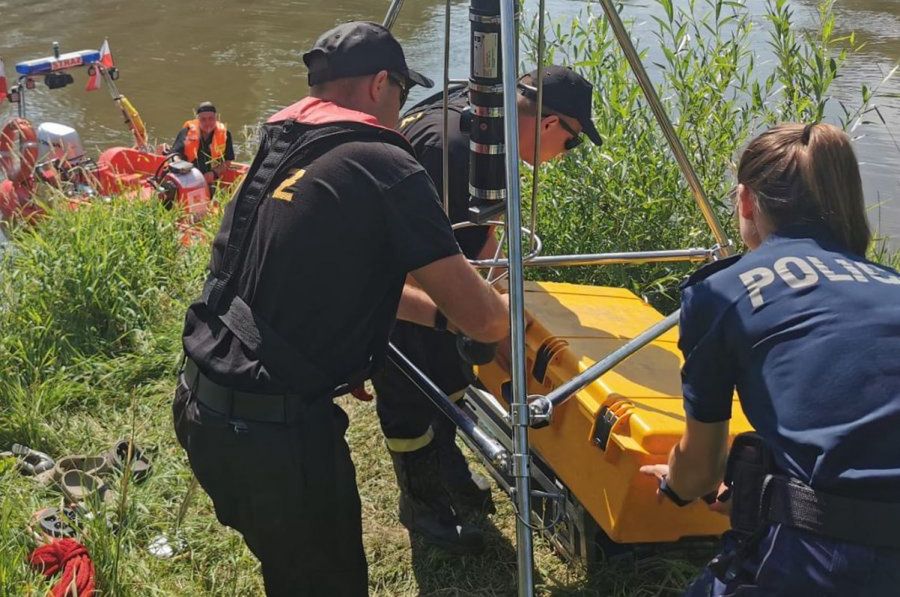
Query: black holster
column 762, row 495
column 750, row 465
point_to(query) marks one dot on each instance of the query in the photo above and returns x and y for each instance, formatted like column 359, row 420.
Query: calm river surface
column 245, row 56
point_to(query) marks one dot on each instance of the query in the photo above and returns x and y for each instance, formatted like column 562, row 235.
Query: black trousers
column 288, row 488
column 407, row 416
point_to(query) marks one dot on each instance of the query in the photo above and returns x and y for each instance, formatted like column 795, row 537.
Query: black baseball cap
column 567, row 93
column 359, row 48
column 204, row 107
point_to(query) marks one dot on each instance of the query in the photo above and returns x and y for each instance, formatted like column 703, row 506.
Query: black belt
column 797, row 505
column 249, row 406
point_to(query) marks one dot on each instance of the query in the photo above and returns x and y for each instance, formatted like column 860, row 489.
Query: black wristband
column 440, row 321
column 670, row 493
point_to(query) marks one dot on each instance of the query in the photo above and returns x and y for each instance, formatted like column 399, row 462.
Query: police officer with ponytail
column 808, row 332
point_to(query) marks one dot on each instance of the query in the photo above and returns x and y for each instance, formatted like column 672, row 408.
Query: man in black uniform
column 435, row 481
column 306, row 275
column 205, row 142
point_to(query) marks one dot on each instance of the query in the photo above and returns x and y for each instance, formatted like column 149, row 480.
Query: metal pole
column 445, row 139
column 21, row 106
column 536, row 160
column 494, row 452
column 392, row 12
column 518, row 407
column 692, row 255
column 592, row 373
column 668, row 130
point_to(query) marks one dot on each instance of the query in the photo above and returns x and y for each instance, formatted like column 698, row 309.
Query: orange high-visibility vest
column 192, row 141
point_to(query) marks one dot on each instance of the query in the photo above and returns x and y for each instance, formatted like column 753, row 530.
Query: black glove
column 474, row 352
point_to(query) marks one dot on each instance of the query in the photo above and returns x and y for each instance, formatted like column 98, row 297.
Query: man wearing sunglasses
column 436, row 484
column 306, row 275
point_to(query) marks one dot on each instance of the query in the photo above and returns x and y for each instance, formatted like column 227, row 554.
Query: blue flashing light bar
column 41, row 66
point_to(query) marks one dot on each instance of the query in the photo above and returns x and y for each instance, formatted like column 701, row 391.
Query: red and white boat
column 52, row 153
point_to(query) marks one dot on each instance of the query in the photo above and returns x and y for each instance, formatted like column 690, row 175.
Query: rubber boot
column 425, row 507
column 469, row 491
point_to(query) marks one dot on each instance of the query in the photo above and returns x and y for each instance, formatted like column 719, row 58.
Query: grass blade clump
column 88, row 282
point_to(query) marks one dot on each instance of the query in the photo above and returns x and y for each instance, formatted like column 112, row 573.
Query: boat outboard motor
column 184, row 184
column 59, row 143
column 487, row 170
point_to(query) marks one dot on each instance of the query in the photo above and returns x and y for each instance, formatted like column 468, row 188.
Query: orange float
column 18, row 150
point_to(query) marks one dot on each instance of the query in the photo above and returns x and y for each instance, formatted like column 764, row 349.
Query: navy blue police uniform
column 809, row 335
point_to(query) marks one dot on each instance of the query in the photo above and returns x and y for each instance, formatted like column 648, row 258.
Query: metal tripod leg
column 521, row 462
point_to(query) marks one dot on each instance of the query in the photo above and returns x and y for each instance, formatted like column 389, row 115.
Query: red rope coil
column 72, row 558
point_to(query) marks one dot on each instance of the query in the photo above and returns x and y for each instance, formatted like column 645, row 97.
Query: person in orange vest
column 206, row 142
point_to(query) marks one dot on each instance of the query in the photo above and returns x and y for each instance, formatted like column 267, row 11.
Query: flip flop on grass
column 29, row 462
column 48, row 524
column 95, row 465
column 79, row 486
column 91, row 465
column 118, row 456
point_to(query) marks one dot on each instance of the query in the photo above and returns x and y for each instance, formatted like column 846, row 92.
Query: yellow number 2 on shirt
column 280, row 192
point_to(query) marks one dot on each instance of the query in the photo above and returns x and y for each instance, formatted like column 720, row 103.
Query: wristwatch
column 670, row 493
column 440, row 321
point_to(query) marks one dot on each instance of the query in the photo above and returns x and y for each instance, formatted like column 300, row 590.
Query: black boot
column 469, row 491
column 425, row 505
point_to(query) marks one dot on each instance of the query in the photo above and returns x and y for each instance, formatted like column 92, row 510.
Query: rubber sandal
column 91, row 465
column 79, row 486
column 117, row 456
column 49, row 524
column 94, row 465
column 30, row 462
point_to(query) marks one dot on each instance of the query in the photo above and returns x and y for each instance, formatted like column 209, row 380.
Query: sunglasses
column 572, row 142
column 400, row 82
column 531, row 93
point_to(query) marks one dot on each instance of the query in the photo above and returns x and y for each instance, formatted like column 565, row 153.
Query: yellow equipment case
column 599, row 438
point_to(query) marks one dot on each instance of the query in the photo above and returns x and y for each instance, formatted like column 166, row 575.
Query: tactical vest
column 288, row 145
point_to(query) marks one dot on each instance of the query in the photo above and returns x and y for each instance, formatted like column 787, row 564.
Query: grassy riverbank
column 91, row 325
column 94, row 300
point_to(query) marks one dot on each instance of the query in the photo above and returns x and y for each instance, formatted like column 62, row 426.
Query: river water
column 245, row 56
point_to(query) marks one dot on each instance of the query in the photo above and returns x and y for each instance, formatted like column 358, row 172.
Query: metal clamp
column 519, row 413
column 540, row 412
column 487, row 195
column 487, row 111
column 521, row 465
column 487, row 148
column 718, row 251
column 481, row 88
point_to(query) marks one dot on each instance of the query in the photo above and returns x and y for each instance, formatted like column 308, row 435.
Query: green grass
column 80, row 372
column 120, row 383
column 98, row 392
